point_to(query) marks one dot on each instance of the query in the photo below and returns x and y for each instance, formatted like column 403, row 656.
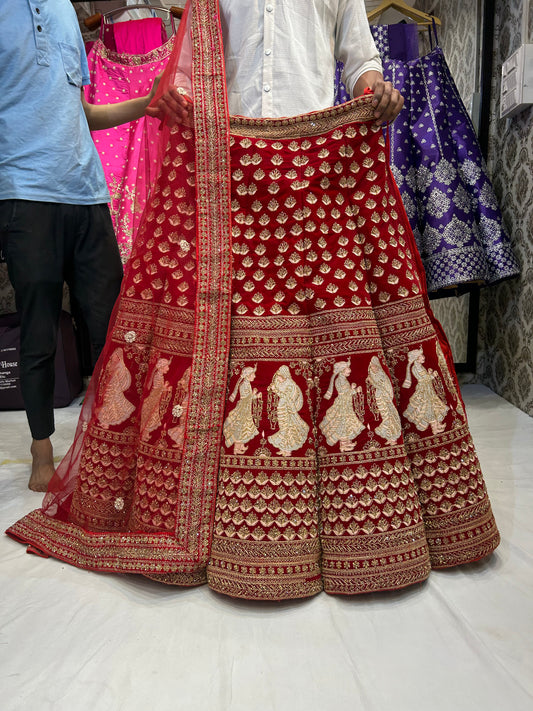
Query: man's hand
column 175, row 106
column 387, row 101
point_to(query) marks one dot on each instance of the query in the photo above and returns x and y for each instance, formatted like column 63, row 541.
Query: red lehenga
column 275, row 411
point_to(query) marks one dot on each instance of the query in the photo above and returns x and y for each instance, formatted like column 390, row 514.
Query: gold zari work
column 296, row 423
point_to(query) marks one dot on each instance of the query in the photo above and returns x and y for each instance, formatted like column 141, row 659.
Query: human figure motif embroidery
column 380, row 395
column 425, row 408
column 116, row 379
column 180, row 409
column 240, row 426
column 156, row 400
column 341, row 423
column 293, row 430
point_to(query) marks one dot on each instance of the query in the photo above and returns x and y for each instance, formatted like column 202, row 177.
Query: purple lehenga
column 438, row 165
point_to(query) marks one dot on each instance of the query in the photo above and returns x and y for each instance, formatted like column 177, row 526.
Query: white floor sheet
column 71, row 640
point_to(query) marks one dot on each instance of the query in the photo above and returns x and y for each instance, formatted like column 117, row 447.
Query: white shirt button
column 266, row 87
column 269, row 8
column 268, row 52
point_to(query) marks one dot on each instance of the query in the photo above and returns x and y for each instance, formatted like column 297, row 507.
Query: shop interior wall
column 505, row 361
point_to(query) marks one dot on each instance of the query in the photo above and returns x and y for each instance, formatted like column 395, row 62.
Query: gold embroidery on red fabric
column 380, row 396
column 293, row 430
column 343, row 420
column 319, row 122
column 116, row 379
column 180, row 409
column 295, row 256
column 359, row 564
column 156, row 400
column 209, row 369
column 265, row 571
column 240, row 426
column 121, row 552
column 426, row 408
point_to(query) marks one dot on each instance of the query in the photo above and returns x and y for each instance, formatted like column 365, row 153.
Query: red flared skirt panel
column 341, row 459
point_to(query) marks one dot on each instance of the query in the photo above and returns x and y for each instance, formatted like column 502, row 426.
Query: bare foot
column 42, row 466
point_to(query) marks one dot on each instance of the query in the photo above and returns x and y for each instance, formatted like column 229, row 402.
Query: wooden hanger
column 421, row 18
column 94, row 21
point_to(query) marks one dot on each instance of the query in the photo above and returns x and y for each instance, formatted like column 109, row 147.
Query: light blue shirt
column 46, row 149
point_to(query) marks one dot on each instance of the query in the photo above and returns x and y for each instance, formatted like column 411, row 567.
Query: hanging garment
column 275, row 411
column 143, row 36
column 138, row 36
column 438, row 165
column 128, row 152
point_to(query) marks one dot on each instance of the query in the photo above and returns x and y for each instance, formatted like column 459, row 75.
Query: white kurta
column 280, row 54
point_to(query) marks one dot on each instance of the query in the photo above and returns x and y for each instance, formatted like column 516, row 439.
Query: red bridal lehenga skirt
column 343, row 459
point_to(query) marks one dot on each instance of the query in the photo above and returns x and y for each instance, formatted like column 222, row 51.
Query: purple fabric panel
column 437, row 162
column 397, row 41
column 341, row 93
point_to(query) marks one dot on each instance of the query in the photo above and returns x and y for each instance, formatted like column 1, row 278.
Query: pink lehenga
column 274, row 317
column 129, row 152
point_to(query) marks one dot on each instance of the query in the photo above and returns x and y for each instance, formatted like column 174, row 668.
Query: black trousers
column 45, row 245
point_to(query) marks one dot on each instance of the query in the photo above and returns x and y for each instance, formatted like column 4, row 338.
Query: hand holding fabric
column 174, row 106
column 102, row 116
column 387, row 102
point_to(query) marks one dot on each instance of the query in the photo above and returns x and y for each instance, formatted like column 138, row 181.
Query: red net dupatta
column 169, row 333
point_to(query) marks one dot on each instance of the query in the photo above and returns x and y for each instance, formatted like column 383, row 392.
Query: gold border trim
column 119, row 552
column 135, row 60
column 203, row 438
column 357, row 110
